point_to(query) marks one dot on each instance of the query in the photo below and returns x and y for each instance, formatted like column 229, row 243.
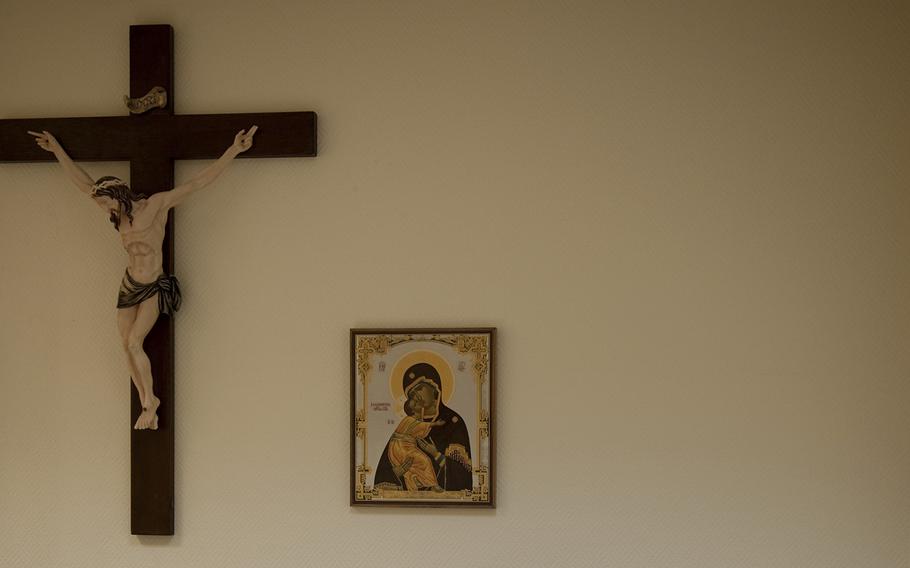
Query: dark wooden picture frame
column 423, row 417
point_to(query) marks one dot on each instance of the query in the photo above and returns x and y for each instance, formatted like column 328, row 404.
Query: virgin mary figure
column 431, row 428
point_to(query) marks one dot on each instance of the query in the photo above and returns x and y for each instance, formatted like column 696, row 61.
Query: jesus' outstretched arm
column 76, row 174
column 243, row 140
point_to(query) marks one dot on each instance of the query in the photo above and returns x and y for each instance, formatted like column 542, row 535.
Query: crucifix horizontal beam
column 151, row 142
column 178, row 137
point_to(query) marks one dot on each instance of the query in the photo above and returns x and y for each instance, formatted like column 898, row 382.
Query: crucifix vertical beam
column 152, row 453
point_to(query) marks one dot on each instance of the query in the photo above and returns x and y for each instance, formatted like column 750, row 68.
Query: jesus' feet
column 148, row 419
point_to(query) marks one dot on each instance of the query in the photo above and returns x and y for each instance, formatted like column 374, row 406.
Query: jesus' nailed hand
column 145, row 290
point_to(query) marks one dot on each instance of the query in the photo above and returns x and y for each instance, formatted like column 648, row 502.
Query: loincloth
column 133, row 293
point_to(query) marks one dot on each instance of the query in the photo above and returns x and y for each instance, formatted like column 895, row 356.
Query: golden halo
column 414, row 357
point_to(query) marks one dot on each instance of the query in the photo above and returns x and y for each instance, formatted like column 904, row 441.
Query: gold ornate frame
column 479, row 342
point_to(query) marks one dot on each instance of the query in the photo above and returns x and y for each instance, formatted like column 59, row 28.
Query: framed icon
column 422, row 421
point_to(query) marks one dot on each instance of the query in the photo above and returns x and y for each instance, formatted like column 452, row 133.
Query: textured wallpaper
column 689, row 223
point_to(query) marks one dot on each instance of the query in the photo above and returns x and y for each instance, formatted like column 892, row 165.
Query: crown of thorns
column 106, row 182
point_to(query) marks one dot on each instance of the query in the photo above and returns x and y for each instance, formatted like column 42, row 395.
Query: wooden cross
column 151, row 142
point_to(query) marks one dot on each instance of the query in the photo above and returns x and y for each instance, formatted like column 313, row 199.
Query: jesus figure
column 145, row 290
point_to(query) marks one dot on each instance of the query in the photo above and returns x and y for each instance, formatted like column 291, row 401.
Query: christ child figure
column 405, row 454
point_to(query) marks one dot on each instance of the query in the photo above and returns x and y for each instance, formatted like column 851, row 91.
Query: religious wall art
column 151, row 138
column 422, row 429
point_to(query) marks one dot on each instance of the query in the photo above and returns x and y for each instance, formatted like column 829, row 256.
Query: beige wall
column 689, row 222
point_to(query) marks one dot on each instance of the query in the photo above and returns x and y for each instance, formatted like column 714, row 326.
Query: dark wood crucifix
column 151, row 142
